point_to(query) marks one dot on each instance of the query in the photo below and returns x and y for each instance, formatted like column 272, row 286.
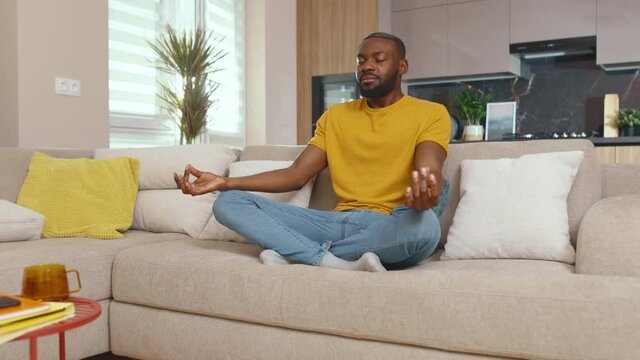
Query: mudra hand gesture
column 205, row 182
column 424, row 192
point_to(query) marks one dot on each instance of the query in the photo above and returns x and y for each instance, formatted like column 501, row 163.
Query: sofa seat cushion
column 511, row 308
column 91, row 257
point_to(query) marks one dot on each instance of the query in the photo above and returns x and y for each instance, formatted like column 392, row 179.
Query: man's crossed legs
column 343, row 240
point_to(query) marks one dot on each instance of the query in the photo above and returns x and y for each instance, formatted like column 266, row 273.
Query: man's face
column 379, row 67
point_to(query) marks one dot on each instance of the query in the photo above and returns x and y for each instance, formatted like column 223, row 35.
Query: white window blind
column 136, row 115
column 134, row 108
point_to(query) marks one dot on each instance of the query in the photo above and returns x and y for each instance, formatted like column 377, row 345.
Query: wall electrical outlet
column 70, row 87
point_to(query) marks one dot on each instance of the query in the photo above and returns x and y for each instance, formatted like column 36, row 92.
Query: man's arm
column 426, row 180
column 310, row 162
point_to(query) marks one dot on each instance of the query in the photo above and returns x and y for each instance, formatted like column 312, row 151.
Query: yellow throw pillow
column 81, row 197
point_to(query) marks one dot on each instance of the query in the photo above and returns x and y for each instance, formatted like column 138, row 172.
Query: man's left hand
column 424, row 192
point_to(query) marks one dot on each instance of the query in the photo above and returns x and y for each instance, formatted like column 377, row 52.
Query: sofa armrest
column 620, row 179
column 609, row 238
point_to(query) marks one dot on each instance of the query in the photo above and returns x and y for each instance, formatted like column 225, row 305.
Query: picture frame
column 501, row 119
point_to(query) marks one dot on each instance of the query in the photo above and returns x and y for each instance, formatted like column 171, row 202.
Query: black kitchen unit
column 329, row 90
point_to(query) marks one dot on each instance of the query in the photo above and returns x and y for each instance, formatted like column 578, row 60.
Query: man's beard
column 381, row 90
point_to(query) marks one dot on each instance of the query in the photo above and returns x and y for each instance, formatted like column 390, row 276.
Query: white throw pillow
column 172, row 211
column 514, row 208
column 217, row 231
column 18, row 223
column 157, row 165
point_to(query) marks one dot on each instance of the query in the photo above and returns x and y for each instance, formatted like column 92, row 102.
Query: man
column 385, row 153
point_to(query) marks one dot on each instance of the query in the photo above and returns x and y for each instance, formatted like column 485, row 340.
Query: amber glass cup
column 48, row 282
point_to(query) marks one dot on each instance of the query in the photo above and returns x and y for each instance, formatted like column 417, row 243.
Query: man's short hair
column 396, row 40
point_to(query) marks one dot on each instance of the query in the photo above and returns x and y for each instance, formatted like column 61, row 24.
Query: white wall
column 281, row 72
column 8, row 73
column 62, row 38
column 255, row 79
column 271, row 72
column 65, row 38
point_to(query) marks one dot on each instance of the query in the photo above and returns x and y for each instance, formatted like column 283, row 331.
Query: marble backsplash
column 561, row 95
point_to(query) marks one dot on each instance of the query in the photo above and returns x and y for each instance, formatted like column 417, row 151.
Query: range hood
column 555, row 48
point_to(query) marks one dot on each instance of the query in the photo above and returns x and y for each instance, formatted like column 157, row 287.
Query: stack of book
column 19, row 315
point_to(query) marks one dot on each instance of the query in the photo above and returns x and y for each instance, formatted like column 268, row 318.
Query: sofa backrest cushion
column 586, row 189
column 158, row 164
column 322, row 198
column 14, row 163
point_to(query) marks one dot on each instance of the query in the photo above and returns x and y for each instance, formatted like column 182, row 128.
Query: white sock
column 367, row 262
column 270, row 257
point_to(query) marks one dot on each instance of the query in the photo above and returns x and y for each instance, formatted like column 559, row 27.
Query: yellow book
column 26, row 308
column 57, row 311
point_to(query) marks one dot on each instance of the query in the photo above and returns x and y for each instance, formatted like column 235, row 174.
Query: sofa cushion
column 18, row 223
column 157, row 165
column 81, row 197
column 322, row 198
column 517, row 308
column 514, row 208
column 91, row 257
column 172, row 211
column 586, row 190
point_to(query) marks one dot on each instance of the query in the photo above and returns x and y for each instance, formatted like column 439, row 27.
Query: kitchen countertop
column 597, row 141
column 616, row 141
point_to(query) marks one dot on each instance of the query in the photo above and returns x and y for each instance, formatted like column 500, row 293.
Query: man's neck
column 384, row 101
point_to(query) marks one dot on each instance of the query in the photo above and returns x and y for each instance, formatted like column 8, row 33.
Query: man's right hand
column 205, row 182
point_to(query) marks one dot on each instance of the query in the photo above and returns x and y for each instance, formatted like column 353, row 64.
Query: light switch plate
column 70, row 87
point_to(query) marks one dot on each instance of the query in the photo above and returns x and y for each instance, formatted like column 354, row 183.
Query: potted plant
column 473, row 104
column 628, row 119
column 192, row 59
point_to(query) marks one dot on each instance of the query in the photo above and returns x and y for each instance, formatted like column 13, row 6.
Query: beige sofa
column 169, row 296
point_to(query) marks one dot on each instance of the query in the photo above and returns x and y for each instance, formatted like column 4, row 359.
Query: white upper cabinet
column 618, row 37
column 456, row 39
column 479, row 38
column 551, row 19
column 397, row 5
column 424, row 32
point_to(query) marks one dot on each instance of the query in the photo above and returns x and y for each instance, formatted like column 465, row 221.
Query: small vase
column 473, row 133
column 628, row 131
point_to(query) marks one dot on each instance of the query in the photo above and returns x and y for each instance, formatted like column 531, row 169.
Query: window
column 226, row 18
column 135, row 111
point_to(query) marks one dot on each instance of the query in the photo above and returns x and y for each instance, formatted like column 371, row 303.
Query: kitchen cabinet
column 424, row 32
column 456, row 39
column 551, row 19
column 479, row 38
column 618, row 154
column 328, row 33
column 618, row 26
column 627, row 154
column 398, row 5
column 606, row 154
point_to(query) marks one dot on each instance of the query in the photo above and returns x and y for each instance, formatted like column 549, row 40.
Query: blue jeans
column 400, row 239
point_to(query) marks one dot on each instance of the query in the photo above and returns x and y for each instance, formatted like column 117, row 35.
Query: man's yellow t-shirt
column 371, row 152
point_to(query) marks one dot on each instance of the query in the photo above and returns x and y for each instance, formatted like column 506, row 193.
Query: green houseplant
column 192, row 58
column 473, row 105
column 628, row 119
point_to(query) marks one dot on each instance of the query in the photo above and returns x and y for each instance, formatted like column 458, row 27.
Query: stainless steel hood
column 555, row 48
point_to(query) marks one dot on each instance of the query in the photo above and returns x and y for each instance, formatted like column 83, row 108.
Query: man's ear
column 404, row 66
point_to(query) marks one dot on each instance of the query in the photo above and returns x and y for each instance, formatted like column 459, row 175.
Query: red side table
column 86, row 311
